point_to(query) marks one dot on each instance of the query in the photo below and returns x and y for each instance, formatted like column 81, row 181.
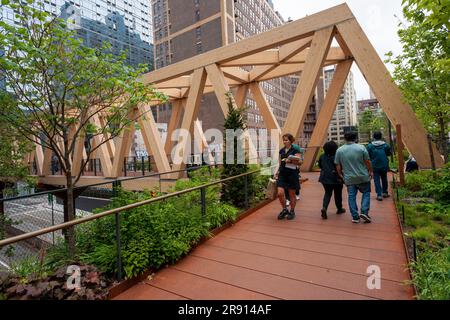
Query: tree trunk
column 70, row 234
column 443, row 139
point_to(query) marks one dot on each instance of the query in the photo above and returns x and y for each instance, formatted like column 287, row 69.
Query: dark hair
column 377, row 135
column 350, row 136
column 290, row 137
column 330, row 148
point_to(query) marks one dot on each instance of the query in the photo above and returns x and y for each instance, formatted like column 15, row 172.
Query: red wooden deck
column 307, row 258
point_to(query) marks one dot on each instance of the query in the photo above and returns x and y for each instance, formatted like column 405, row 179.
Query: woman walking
column 330, row 179
column 288, row 176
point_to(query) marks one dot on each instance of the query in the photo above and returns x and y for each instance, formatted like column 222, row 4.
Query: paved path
column 307, row 258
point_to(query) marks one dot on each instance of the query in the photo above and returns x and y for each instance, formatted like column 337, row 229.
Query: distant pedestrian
column 353, row 164
column 330, row 179
column 379, row 151
column 411, row 164
column 288, row 176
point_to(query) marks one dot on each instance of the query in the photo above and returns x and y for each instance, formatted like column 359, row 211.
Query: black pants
column 329, row 188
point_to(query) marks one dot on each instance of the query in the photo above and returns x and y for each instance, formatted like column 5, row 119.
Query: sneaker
column 379, row 198
column 288, row 203
column 386, row 195
column 340, row 211
column 283, row 214
column 365, row 217
column 355, row 220
column 324, row 214
column 291, row 215
column 297, row 197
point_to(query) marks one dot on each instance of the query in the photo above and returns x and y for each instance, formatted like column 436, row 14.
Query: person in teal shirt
column 379, row 151
column 353, row 164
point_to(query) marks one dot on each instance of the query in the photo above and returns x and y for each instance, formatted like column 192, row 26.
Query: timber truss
column 302, row 47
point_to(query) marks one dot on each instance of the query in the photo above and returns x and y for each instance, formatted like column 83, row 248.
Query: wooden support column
column 79, row 153
column 102, row 151
column 308, row 80
column 174, row 122
column 152, row 139
column 109, row 143
column 46, row 169
column 39, row 158
column 124, row 142
column 267, row 114
column 241, row 95
column 191, row 110
column 326, row 114
column 387, row 93
column 401, row 161
column 222, row 91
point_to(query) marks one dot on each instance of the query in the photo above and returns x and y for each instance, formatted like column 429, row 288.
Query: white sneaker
column 297, row 197
column 288, row 202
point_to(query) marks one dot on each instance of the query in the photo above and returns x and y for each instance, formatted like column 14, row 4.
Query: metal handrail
column 107, row 181
column 66, row 225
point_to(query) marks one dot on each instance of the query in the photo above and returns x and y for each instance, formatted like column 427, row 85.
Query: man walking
column 353, row 164
column 379, row 151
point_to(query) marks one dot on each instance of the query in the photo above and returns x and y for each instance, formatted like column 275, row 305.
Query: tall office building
column 344, row 117
column 125, row 24
column 185, row 28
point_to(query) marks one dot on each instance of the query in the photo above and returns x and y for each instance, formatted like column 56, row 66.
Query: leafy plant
column 431, row 274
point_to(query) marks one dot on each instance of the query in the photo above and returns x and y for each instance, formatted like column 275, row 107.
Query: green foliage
column 54, row 82
column 372, row 121
column 435, row 184
column 233, row 191
column 423, row 69
column 431, row 275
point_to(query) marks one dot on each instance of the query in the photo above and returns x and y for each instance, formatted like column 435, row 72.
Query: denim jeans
column 382, row 187
column 364, row 188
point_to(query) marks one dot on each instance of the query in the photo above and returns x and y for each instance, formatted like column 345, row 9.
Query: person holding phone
column 287, row 176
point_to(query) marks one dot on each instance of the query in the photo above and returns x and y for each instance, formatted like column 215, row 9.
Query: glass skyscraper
column 127, row 25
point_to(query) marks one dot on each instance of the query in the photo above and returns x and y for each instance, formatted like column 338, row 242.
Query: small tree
column 233, row 191
column 56, row 86
column 423, row 69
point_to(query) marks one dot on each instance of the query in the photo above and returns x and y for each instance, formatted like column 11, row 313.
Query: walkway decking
column 307, row 258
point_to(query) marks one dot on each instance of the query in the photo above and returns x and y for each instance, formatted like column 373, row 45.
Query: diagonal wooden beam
column 274, row 38
column 221, row 87
column 152, row 139
column 388, row 94
column 308, row 80
column 326, row 114
column 124, row 141
column 241, row 95
column 102, row 151
column 285, row 53
column 174, row 122
column 191, row 110
column 267, row 114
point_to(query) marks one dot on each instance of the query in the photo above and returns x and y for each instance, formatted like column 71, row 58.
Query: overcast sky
column 377, row 18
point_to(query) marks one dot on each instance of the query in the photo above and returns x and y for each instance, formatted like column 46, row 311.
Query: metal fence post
column 119, row 248
column 134, row 164
column 203, row 201
column 246, row 191
column 125, row 166
column 149, row 164
column 95, row 167
column 415, row 249
column 143, row 165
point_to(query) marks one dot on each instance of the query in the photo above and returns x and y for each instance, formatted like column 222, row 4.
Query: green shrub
column 431, row 274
